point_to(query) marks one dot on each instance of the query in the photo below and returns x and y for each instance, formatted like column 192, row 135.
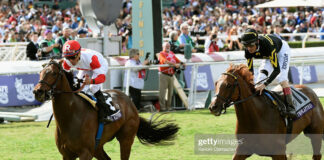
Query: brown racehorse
column 77, row 122
column 257, row 115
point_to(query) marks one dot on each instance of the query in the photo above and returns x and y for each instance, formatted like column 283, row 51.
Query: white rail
column 13, row 51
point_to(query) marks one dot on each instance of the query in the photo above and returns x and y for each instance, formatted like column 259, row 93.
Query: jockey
column 92, row 63
column 276, row 55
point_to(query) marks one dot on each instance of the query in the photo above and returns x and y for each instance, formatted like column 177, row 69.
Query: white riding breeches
column 284, row 60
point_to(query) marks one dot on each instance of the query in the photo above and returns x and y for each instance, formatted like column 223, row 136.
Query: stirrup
column 291, row 113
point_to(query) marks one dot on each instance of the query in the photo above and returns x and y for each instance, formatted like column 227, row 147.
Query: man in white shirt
column 137, row 75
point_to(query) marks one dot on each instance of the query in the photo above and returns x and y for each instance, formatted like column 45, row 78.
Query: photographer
column 176, row 47
column 136, row 79
column 211, row 44
column 233, row 42
column 166, row 76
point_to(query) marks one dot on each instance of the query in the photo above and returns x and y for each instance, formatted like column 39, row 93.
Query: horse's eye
column 228, row 85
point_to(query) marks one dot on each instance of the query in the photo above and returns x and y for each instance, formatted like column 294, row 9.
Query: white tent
column 315, row 3
column 289, row 3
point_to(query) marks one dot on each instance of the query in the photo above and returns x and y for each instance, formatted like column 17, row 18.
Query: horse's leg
column 126, row 138
column 69, row 158
column 316, row 140
column 100, row 154
column 85, row 155
column 279, row 157
column 239, row 157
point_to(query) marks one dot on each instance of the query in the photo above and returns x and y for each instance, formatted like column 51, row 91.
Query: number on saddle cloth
column 109, row 101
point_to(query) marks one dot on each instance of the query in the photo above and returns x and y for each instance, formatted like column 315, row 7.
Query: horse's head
column 227, row 88
column 48, row 80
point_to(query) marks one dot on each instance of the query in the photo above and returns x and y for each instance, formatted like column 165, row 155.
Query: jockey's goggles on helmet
column 72, row 57
column 250, row 44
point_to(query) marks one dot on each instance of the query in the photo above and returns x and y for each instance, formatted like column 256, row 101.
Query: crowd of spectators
column 226, row 20
column 220, row 22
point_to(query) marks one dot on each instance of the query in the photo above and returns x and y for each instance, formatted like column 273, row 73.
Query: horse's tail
column 156, row 132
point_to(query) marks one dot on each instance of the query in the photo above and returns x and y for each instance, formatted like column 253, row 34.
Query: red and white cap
column 71, row 48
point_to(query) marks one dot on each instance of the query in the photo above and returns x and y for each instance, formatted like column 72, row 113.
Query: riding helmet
column 249, row 36
column 71, row 48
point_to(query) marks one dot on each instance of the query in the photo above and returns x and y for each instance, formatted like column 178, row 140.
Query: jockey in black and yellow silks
column 275, row 53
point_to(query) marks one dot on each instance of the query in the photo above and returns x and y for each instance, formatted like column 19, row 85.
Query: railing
column 13, row 51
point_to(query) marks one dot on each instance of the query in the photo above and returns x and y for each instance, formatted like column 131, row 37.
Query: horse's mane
column 69, row 76
column 243, row 71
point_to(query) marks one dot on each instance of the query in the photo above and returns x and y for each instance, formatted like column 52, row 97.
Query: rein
column 228, row 101
column 53, row 87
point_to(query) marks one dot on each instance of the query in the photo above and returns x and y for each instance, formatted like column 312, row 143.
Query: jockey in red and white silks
column 91, row 63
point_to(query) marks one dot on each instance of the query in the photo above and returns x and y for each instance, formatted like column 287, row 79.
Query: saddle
column 93, row 101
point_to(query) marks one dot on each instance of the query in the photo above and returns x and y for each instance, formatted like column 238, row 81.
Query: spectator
column 211, row 44
column 297, row 30
column 322, row 31
column 60, row 41
column 47, row 46
column 32, row 46
column 233, row 42
column 166, row 76
column 185, row 38
column 136, row 79
column 176, row 47
column 57, row 26
column 82, row 33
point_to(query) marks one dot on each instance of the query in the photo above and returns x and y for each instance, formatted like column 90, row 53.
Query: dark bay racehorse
column 257, row 115
column 77, row 122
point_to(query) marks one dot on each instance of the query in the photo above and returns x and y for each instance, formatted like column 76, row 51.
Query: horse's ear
column 44, row 65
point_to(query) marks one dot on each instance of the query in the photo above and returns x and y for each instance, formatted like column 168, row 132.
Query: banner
column 17, row 90
column 204, row 78
column 307, row 72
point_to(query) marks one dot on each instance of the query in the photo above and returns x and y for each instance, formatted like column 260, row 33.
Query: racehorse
column 257, row 115
column 77, row 121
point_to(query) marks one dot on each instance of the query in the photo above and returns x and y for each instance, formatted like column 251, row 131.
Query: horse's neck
column 63, row 105
column 252, row 113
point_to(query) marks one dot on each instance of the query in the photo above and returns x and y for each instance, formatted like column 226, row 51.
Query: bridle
column 53, row 87
column 53, row 90
column 228, row 100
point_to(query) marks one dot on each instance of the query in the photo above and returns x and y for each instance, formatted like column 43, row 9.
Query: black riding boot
column 290, row 110
column 107, row 113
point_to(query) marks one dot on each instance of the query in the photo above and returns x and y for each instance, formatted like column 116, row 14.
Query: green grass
column 32, row 140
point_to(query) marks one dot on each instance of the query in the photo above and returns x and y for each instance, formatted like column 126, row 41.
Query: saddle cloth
column 301, row 102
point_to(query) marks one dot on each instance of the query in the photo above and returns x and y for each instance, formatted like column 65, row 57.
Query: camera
column 214, row 36
column 154, row 61
column 181, row 68
column 147, row 55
